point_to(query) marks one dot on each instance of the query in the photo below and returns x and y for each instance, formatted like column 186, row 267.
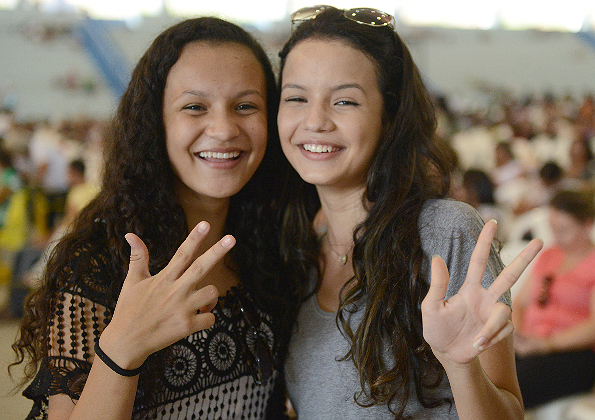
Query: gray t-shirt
column 322, row 387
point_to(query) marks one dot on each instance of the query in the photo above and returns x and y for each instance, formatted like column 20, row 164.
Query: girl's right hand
column 155, row 311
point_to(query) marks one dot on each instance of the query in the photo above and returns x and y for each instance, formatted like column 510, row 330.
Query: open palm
column 460, row 328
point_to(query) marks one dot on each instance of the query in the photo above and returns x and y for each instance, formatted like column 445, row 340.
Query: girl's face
column 330, row 115
column 566, row 230
column 215, row 118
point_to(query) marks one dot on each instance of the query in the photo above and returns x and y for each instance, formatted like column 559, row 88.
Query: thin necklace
column 342, row 257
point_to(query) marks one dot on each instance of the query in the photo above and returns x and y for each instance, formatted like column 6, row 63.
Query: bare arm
column 152, row 313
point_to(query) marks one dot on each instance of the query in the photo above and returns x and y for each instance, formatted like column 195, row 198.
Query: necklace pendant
column 343, row 259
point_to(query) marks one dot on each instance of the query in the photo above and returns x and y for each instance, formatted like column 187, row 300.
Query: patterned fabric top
column 207, row 375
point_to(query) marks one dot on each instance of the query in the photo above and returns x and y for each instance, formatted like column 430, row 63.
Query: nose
column 318, row 118
column 222, row 126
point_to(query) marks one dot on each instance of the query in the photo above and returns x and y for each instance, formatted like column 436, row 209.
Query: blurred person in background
column 541, row 189
column 554, row 310
column 477, row 190
column 582, row 164
column 29, row 262
column 14, row 217
column 49, row 167
column 507, row 169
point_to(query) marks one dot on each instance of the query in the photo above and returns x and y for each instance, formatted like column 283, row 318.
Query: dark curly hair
column 408, row 168
column 137, row 196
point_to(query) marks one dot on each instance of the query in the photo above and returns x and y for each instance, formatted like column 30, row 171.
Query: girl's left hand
column 460, row 328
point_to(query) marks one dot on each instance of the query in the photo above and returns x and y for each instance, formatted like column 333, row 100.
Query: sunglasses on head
column 363, row 15
column 259, row 355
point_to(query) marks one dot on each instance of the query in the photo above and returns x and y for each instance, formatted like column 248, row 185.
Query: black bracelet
column 113, row 366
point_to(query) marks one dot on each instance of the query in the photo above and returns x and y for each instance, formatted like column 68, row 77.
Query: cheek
column 284, row 123
column 259, row 136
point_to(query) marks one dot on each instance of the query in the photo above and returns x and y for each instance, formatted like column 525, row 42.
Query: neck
column 580, row 248
column 199, row 208
column 214, row 211
column 340, row 213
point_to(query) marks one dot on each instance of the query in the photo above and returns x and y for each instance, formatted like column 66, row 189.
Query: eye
column 345, row 102
column 194, row 107
column 295, row 99
column 247, row 107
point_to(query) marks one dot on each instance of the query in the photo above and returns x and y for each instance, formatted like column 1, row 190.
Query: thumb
column 439, row 281
column 138, row 269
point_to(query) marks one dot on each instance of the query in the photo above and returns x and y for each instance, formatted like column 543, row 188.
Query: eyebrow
column 333, row 89
column 201, row 93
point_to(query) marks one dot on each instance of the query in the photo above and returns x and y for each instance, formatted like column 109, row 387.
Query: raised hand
column 155, row 311
column 460, row 328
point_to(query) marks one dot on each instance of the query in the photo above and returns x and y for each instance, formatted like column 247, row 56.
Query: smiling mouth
column 220, row 155
column 319, row 148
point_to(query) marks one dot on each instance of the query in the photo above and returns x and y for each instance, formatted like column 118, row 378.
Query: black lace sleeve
column 81, row 312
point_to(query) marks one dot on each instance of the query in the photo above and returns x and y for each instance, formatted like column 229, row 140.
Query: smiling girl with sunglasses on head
column 122, row 326
column 364, row 217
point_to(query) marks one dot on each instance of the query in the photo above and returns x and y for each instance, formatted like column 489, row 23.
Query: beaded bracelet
column 113, row 366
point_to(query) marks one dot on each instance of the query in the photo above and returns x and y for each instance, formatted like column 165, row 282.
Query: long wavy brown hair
column 408, row 168
column 137, row 196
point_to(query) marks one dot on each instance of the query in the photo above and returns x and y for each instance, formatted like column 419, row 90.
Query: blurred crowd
column 511, row 156
column 48, row 172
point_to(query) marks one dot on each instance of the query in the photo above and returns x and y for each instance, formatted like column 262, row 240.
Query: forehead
column 560, row 217
column 329, row 58
column 216, row 62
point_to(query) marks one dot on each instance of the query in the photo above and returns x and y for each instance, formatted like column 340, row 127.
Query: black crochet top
column 203, row 376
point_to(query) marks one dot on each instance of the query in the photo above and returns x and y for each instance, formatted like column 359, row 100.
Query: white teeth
column 318, row 148
column 219, row 155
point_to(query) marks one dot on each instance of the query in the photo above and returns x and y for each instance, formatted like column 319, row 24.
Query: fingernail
column 202, row 227
column 227, row 241
column 479, row 343
column 494, row 220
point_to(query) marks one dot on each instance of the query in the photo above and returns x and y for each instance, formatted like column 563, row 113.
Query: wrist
column 113, row 365
column 459, row 370
column 119, row 351
column 448, row 363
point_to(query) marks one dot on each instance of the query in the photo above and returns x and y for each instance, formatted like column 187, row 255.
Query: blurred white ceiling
column 570, row 15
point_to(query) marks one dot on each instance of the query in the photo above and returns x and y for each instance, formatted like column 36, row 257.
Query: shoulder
column 444, row 217
column 83, row 265
column 450, row 229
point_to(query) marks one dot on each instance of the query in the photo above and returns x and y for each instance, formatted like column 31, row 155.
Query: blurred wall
column 45, row 73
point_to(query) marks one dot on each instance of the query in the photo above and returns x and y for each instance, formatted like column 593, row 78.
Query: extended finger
column 496, row 326
column 513, row 271
column 138, row 269
column 201, row 321
column 201, row 266
column 439, row 281
column 504, row 332
column 187, row 252
column 481, row 253
column 204, row 299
